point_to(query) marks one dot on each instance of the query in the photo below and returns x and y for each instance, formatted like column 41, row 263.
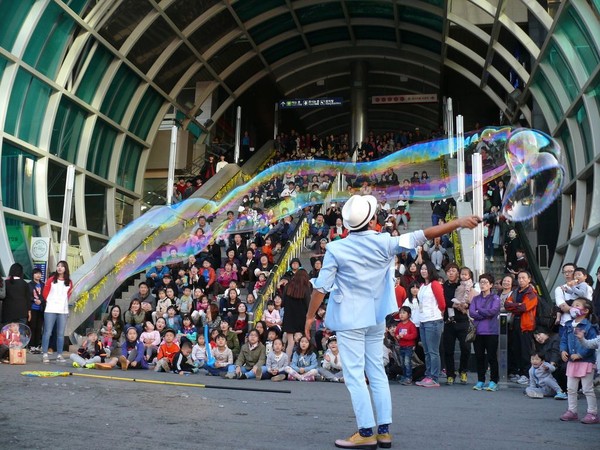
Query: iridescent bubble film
column 530, row 156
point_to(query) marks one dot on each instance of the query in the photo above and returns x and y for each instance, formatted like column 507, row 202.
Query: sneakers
column 357, row 441
column 478, row 386
column 60, row 359
column 45, row 358
column 450, row 381
column 309, row 378
column 230, row 375
column 429, row 383
column 76, row 365
column 90, row 366
column 384, row 440
column 523, row 380
column 491, row 259
column 534, row 394
column 406, row 382
column 590, row 418
column 492, row 387
column 569, row 416
column 513, row 378
column 279, row 377
column 463, row 378
column 561, row 396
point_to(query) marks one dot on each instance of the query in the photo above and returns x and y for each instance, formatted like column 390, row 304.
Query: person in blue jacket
column 358, row 273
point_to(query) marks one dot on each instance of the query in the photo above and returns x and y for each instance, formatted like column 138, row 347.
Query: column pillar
column 358, row 101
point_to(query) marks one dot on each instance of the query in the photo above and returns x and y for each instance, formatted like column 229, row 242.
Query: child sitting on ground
column 277, row 360
column 222, row 354
column 188, row 329
column 304, row 363
column 91, row 352
column 199, row 351
column 166, row 352
column 108, row 334
column 162, row 303
column 132, row 356
column 406, row 335
column 182, row 361
column 541, row 381
column 272, row 334
column 151, row 340
column 331, row 369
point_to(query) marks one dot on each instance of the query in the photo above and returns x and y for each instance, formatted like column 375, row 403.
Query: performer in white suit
column 358, row 272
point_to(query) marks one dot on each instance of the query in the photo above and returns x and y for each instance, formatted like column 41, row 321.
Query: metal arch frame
column 493, row 39
column 292, row 11
column 392, row 122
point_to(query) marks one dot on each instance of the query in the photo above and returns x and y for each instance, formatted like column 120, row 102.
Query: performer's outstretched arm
column 462, row 222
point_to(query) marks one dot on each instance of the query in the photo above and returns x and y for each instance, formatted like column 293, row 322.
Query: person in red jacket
column 522, row 304
column 56, row 294
column 166, row 352
column 406, row 335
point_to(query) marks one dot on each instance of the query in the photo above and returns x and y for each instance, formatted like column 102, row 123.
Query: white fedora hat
column 358, row 211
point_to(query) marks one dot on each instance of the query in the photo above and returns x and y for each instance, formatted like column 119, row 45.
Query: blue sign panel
column 310, row 102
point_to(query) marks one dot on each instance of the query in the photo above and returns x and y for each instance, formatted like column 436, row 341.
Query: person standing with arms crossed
column 358, row 272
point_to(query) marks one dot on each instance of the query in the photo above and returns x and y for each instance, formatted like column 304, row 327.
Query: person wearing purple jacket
column 484, row 310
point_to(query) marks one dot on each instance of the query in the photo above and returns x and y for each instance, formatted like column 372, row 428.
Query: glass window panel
column 272, row 27
column 418, row 40
column 48, row 42
column 2, row 66
column 379, row 33
column 101, row 149
column 228, row 55
column 184, row 12
column 567, row 143
column 363, row 8
column 179, row 62
column 329, row 35
column 119, row 94
column 27, row 107
column 146, row 112
column 212, row 30
column 123, row 210
column 96, row 244
column 19, row 233
column 124, row 20
column 246, row 71
column 247, row 10
column 151, row 44
column 57, row 179
column 319, row 12
column 18, row 179
column 95, row 206
column 572, row 30
column 93, row 75
column 11, row 20
column 555, row 60
column 544, row 89
column 593, row 93
column 420, row 17
column 76, row 5
column 128, row 165
column 67, row 130
column 586, row 131
column 284, row 49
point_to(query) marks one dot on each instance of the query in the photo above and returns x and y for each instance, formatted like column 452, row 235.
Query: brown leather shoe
column 384, row 440
column 357, row 441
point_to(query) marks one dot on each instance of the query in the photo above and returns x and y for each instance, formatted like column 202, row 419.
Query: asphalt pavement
column 77, row 412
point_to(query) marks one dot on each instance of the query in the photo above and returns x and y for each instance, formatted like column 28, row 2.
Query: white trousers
column 361, row 351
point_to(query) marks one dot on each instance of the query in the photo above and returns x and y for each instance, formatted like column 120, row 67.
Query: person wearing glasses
column 564, row 297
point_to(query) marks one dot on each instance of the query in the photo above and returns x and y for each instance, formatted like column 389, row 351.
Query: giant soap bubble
column 530, row 156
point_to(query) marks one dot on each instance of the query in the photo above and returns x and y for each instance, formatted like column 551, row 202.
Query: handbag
column 472, row 331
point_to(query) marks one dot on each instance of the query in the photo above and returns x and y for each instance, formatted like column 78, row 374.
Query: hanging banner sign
column 401, row 98
column 310, row 102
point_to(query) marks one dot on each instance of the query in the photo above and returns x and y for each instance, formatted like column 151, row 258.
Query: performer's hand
column 469, row 222
column 308, row 325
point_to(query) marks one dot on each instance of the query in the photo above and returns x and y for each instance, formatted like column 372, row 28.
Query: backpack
column 545, row 314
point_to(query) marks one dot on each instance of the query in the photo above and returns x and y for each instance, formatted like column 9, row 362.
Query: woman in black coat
column 17, row 303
